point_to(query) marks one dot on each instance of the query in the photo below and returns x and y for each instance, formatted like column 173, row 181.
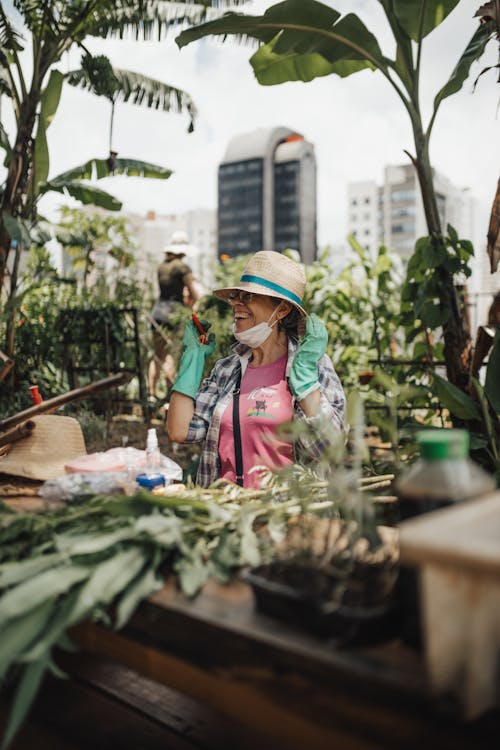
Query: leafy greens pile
column 98, row 558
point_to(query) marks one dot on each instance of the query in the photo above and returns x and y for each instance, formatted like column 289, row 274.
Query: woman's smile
column 241, row 318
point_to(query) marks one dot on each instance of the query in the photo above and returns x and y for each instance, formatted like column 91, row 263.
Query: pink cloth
column 265, row 403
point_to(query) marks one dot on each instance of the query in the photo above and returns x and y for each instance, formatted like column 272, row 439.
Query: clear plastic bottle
column 152, row 452
column 443, row 475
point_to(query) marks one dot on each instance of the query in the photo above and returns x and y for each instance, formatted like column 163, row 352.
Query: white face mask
column 256, row 335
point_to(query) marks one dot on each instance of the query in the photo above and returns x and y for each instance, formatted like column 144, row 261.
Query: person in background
column 271, row 376
column 174, row 275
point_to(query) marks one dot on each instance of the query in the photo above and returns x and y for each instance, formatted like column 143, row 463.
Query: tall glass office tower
column 267, row 194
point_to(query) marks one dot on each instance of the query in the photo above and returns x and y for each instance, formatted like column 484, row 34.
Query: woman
column 270, row 379
column 174, row 275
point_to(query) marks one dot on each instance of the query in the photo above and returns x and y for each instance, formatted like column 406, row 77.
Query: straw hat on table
column 42, row 455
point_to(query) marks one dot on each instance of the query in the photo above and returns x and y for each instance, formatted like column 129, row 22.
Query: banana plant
column 300, row 40
column 51, row 28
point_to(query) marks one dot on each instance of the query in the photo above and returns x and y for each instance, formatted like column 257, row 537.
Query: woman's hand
column 304, row 371
column 192, row 363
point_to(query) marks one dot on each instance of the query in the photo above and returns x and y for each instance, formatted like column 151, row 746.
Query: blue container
column 150, row 481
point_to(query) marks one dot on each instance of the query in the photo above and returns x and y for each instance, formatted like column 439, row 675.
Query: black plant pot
column 357, row 609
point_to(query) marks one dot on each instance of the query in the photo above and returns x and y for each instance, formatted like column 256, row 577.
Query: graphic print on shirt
column 261, row 396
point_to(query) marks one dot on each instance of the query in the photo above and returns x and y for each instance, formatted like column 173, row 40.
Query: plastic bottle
column 443, row 475
column 152, row 476
column 152, row 451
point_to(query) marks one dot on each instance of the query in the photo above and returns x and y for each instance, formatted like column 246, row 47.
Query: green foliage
column 103, row 244
column 97, row 560
column 359, row 309
column 33, row 93
column 423, row 309
column 100, row 75
column 303, row 39
column 68, row 320
column 479, row 412
column 492, row 381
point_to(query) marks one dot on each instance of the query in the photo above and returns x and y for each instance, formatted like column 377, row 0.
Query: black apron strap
column 238, row 463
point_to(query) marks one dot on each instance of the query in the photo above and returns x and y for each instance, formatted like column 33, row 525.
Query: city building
column 267, row 194
column 392, row 214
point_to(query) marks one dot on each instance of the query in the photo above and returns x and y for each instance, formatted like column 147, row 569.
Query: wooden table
column 297, row 690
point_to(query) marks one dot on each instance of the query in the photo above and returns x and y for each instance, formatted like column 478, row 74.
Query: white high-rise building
column 392, row 214
column 154, row 231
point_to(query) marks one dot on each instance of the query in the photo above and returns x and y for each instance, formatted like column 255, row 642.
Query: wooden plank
column 466, row 536
column 301, row 691
column 76, row 716
column 188, row 718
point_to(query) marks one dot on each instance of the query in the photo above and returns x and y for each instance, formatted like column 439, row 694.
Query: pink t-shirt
column 265, row 403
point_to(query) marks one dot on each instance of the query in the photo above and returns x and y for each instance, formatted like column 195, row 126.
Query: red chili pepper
column 203, row 335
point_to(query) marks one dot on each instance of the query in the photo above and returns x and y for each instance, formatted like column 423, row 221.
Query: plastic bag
column 82, row 485
column 119, row 459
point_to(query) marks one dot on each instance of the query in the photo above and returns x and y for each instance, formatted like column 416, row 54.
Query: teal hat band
column 271, row 285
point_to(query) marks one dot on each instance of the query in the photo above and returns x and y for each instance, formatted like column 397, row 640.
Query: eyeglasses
column 244, row 297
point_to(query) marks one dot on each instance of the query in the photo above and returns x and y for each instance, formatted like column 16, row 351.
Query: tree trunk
column 457, row 338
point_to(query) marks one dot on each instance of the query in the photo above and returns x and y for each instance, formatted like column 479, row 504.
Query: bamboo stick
column 375, row 486
column 380, row 478
column 17, row 433
column 65, row 398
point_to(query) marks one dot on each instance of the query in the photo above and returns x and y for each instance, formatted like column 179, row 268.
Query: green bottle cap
column 437, row 444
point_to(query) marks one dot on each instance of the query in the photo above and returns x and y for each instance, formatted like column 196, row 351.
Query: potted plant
column 330, row 568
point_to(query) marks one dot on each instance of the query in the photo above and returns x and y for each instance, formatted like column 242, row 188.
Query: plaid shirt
column 216, row 393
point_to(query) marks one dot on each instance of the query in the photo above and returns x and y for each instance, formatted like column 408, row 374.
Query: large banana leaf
column 456, row 401
column 304, row 39
column 141, row 90
column 83, row 193
column 97, row 169
column 296, row 32
column 69, row 183
column 49, row 104
column 472, row 52
column 419, row 17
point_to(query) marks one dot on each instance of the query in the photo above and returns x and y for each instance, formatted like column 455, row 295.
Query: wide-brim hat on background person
column 178, row 243
column 274, row 275
column 42, row 455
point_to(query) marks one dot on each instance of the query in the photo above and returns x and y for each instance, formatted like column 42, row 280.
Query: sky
column 357, row 124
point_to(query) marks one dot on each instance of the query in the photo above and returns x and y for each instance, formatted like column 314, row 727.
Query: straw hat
column 178, row 243
column 42, row 455
column 274, row 275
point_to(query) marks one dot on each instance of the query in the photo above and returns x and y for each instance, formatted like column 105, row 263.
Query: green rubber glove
column 192, row 363
column 304, row 371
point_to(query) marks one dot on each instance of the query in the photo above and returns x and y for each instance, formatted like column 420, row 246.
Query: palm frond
column 39, row 17
column 139, row 89
column 10, row 38
column 152, row 17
